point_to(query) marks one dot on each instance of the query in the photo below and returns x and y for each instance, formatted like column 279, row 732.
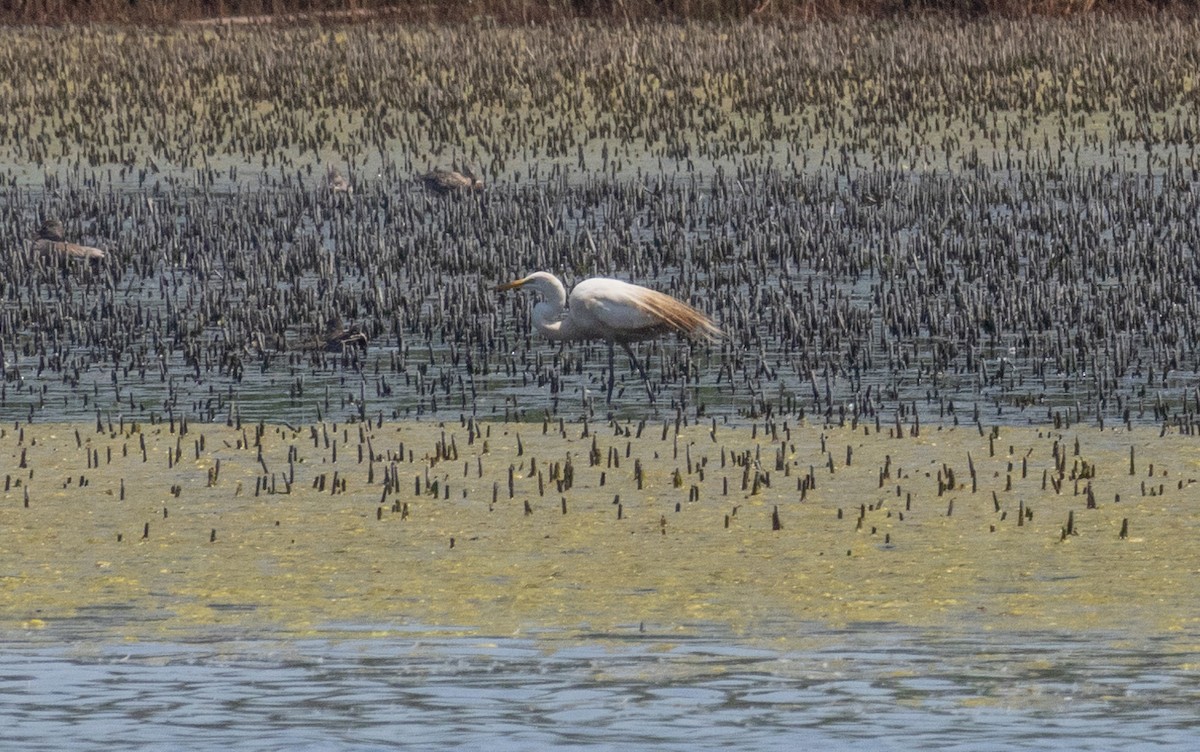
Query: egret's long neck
column 548, row 318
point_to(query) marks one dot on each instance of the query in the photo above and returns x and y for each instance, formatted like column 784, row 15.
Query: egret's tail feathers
column 679, row 316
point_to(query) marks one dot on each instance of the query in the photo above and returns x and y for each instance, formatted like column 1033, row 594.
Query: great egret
column 442, row 181
column 50, row 242
column 615, row 311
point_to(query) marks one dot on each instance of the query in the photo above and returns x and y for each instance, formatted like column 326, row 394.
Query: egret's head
column 515, row 284
column 541, row 282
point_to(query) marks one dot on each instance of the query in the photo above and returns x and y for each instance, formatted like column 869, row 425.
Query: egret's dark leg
column 612, row 371
column 641, row 370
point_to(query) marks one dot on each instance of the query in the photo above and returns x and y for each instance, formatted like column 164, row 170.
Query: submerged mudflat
column 170, row 531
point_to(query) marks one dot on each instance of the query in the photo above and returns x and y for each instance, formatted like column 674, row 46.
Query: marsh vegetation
column 987, row 221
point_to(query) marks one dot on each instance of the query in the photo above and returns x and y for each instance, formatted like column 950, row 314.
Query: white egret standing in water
column 615, row 311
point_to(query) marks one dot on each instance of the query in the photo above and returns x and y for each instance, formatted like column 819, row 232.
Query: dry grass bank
column 538, row 11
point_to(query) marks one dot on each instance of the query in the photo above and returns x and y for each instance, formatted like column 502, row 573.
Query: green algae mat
column 174, row 531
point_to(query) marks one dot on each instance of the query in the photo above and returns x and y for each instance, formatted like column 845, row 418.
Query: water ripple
column 853, row 688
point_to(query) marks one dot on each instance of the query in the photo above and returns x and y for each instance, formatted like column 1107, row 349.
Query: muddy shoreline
column 524, row 12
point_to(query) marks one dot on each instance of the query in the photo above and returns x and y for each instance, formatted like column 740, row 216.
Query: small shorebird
column 50, row 241
column 336, row 181
column 338, row 339
column 442, row 181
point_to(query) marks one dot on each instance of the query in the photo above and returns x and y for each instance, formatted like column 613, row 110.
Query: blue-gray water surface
column 864, row 687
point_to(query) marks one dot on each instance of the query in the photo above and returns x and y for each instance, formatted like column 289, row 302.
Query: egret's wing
column 613, row 309
column 608, row 308
column 677, row 315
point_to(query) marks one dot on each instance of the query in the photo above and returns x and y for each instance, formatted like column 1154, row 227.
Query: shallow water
column 438, row 367
column 871, row 685
column 314, row 621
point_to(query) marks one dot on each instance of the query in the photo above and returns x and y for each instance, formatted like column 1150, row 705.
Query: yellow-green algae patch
column 152, row 532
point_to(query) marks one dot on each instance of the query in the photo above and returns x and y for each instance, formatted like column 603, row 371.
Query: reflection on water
column 867, row 685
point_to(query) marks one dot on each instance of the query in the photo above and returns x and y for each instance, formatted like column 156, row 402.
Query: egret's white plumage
column 611, row 310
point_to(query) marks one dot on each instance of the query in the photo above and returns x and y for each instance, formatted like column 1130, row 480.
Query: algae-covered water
column 925, row 585
column 155, row 531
